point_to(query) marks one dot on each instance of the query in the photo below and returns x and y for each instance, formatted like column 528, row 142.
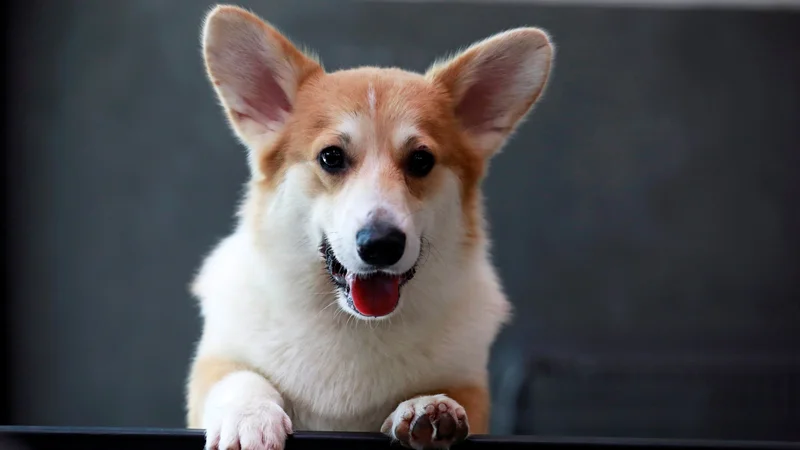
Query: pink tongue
column 376, row 295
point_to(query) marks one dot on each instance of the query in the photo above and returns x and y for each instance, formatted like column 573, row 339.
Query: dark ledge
column 56, row 438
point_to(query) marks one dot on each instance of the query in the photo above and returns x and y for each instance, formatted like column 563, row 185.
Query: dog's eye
column 332, row 159
column 420, row 162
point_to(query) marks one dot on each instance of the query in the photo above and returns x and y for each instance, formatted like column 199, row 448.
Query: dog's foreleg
column 237, row 406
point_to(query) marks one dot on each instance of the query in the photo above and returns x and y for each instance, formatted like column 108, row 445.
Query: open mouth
column 373, row 294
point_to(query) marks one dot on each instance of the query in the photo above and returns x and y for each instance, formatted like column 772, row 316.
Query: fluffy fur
column 281, row 348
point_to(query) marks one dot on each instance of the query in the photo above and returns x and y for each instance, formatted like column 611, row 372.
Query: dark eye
column 420, row 162
column 332, row 159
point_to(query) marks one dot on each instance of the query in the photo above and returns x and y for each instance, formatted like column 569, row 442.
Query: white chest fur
column 336, row 372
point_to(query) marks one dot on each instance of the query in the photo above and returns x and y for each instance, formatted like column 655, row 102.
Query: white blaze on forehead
column 373, row 102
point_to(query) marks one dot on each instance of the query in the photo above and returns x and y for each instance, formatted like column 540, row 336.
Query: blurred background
column 645, row 218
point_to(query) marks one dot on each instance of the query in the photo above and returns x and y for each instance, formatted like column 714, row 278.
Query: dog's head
column 370, row 168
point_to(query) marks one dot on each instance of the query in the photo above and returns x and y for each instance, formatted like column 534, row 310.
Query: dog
column 357, row 291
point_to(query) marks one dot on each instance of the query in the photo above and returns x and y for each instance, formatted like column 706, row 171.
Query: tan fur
column 477, row 402
column 323, row 98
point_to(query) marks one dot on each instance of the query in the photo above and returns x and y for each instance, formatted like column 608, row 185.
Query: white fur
column 244, row 409
column 336, row 373
column 403, row 132
column 372, row 99
column 350, row 126
column 365, row 198
column 273, row 308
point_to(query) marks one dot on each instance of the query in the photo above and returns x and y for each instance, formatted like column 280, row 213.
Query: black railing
column 46, row 438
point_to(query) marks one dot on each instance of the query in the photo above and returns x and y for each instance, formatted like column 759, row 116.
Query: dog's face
column 372, row 154
column 383, row 164
column 381, row 173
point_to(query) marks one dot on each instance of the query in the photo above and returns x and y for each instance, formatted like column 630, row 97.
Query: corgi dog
column 356, row 292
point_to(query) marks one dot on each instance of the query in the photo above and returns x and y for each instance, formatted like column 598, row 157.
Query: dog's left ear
column 494, row 83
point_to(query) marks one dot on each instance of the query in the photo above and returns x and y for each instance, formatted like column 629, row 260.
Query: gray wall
column 646, row 217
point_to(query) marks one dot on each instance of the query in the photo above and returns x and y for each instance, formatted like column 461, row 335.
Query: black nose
column 380, row 244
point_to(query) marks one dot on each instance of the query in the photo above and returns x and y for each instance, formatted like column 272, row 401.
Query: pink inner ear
column 484, row 101
column 267, row 97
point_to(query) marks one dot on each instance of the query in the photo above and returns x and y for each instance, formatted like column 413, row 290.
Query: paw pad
column 428, row 423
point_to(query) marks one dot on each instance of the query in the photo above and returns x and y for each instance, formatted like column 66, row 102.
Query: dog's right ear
column 256, row 72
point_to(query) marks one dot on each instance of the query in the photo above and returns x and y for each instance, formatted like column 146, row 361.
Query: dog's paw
column 241, row 414
column 254, row 427
column 434, row 422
